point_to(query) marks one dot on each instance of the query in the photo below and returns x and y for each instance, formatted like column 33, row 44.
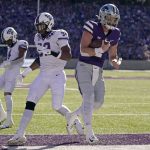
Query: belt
column 52, row 53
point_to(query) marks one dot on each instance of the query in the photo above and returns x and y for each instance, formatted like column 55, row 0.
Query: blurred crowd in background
column 71, row 16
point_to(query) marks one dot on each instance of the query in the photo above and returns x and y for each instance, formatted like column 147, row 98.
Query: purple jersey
column 97, row 32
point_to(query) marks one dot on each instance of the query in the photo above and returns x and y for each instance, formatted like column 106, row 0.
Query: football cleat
column 92, row 139
column 17, row 140
column 73, row 121
column 70, row 122
column 3, row 116
column 7, row 124
column 90, row 136
column 78, row 126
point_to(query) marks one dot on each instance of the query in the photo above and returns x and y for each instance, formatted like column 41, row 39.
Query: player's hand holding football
column 104, row 47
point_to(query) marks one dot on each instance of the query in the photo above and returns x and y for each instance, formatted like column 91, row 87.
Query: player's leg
column 8, row 89
column 99, row 90
column 57, row 85
column 58, row 89
column 2, row 111
column 3, row 114
column 36, row 91
column 84, row 76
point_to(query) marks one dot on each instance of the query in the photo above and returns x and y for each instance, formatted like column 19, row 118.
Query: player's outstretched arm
column 33, row 66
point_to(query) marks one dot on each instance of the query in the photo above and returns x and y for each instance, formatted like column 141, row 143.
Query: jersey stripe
column 89, row 24
column 63, row 38
column 87, row 29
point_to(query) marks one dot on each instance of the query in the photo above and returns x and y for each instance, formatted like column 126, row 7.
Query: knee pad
column 30, row 105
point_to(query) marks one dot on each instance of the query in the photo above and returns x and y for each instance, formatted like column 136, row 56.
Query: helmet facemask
column 41, row 28
column 110, row 21
column 9, row 42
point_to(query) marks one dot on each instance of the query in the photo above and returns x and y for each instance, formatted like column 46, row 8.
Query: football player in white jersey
column 15, row 58
column 54, row 51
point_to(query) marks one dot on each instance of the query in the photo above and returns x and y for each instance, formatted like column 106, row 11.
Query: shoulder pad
column 89, row 26
column 62, row 34
column 23, row 44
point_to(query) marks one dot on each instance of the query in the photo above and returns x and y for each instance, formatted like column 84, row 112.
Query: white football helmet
column 9, row 36
column 44, row 22
column 109, row 16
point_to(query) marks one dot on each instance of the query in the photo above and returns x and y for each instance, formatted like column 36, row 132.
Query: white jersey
column 12, row 54
column 48, row 49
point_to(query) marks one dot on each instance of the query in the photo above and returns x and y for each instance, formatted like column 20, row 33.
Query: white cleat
column 17, row 140
column 7, row 124
column 78, row 126
column 73, row 121
column 70, row 122
column 92, row 139
column 90, row 136
column 3, row 116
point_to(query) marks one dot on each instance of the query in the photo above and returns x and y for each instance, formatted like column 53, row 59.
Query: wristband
column 99, row 50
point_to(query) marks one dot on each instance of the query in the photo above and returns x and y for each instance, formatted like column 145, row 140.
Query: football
column 96, row 43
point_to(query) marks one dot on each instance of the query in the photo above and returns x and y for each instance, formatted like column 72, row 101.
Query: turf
column 125, row 110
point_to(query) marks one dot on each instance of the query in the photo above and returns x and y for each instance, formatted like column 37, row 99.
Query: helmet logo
column 10, row 32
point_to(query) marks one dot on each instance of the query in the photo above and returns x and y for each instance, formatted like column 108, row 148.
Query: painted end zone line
column 96, row 147
column 77, row 142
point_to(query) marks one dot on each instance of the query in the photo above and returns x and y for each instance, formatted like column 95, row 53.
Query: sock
column 27, row 115
column 9, row 103
column 88, row 102
column 89, row 130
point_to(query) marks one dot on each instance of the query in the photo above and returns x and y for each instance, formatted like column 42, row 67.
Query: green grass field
column 126, row 108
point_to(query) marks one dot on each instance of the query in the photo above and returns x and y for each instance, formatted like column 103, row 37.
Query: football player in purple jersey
column 99, row 39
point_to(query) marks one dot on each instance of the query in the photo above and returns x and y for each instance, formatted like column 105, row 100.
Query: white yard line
column 24, row 87
column 112, row 114
column 79, row 101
